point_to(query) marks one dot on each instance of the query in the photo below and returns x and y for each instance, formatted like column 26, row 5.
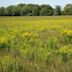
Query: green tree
column 57, row 10
column 26, row 10
column 68, row 9
column 16, row 11
column 2, row 11
column 21, row 5
column 43, row 6
column 36, row 10
column 10, row 11
column 46, row 10
column 23, row 11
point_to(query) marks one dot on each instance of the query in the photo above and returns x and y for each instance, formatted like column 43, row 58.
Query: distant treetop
column 35, row 10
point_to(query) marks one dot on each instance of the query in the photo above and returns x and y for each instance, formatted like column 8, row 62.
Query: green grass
column 36, row 44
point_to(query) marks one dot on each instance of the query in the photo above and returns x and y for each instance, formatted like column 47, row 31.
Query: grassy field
column 36, row 44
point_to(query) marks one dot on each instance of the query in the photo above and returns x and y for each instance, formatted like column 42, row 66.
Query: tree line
column 35, row 10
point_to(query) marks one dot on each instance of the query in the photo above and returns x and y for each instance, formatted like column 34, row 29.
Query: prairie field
column 36, row 44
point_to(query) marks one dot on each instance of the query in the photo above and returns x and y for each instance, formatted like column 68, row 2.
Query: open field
column 36, row 44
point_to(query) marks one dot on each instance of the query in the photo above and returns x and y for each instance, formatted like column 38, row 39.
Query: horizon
column 52, row 3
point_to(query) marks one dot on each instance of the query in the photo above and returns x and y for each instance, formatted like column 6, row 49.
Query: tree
column 2, row 11
column 23, row 11
column 57, row 10
column 46, row 10
column 10, row 11
column 21, row 5
column 16, row 11
column 26, row 10
column 36, row 10
column 43, row 6
column 68, row 9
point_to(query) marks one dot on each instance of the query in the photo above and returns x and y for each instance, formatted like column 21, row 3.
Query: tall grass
column 35, row 44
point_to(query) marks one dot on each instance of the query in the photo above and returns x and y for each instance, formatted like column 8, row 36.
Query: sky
column 53, row 3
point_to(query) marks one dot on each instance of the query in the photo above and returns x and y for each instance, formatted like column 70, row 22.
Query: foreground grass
column 36, row 44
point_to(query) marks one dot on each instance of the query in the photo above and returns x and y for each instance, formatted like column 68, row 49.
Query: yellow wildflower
column 65, row 49
column 68, row 32
column 25, row 34
column 3, row 39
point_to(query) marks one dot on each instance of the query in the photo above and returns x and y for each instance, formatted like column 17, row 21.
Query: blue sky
column 50, row 2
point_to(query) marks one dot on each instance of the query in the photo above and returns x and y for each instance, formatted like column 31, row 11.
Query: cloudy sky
column 51, row 2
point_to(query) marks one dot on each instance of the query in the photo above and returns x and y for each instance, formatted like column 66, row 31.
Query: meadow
column 36, row 44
